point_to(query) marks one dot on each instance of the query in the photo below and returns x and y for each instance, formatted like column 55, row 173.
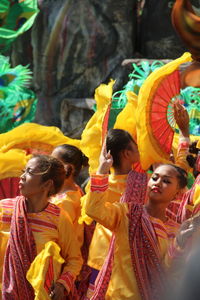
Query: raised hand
column 105, row 161
column 182, row 118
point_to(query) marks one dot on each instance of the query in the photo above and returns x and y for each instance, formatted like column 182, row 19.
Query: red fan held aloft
column 160, row 114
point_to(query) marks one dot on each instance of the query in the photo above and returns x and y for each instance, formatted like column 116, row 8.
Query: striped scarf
column 20, row 252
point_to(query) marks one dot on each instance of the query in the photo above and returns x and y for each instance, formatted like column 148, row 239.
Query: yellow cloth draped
column 196, row 196
column 70, row 203
column 13, row 145
column 91, row 139
column 145, row 138
column 38, row 269
column 46, row 226
column 113, row 216
column 126, row 119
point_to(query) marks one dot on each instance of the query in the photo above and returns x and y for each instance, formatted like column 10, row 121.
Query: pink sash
column 20, row 252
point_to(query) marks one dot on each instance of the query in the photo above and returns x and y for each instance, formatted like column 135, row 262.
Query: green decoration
column 191, row 100
column 16, row 17
column 17, row 102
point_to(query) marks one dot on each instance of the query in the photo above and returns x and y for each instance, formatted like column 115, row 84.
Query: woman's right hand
column 182, row 118
column 105, row 161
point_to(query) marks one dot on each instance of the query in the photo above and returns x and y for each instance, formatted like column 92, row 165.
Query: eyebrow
column 164, row 175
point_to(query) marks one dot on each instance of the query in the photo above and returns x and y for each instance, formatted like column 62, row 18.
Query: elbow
column 88, row 210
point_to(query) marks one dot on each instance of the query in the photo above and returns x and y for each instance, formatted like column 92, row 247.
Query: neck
column 122, row 170
column 157, row 210
column 35, row 206
column 69, row 185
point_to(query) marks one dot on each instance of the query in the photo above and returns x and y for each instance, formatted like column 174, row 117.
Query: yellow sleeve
column 183, row 150
column 70, row 251
column 97, row 206
column 71, row 205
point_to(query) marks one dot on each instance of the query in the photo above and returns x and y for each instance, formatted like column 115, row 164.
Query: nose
column 23, row 175
column 157, row 182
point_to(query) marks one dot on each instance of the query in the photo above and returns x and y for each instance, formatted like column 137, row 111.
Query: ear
column 69, row 170
column 126, row 153
column 48, row 186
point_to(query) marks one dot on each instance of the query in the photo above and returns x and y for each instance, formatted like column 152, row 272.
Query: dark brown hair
column 118, row 140
column 51, row 168
column 72, row 155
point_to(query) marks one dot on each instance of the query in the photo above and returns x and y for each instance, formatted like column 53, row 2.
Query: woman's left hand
column 57, row 291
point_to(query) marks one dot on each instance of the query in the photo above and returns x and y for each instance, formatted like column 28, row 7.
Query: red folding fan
column 155, row 120
column 160, row 113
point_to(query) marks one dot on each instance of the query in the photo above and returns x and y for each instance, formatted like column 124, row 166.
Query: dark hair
column 117, row 140
column 192, row 158
column 181, row 175
column 51, row 168
column 72, row 155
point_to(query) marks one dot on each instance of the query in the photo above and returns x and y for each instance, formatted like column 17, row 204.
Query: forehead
column 56, row 152
column 33, row 163
column 165, row 170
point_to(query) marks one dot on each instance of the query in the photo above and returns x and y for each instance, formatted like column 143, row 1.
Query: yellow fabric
column 101, row 238
column 13, row 162
column 126, row 119
column 62, row 233
column 91, row 139
column 37, row 272
column 32, row 135
column 192, row 139
column 198, row 144
column 196, row 196
column 145, row 138
column 113, row 216
column 70, row 203
column 83, row 217
column 13, row 144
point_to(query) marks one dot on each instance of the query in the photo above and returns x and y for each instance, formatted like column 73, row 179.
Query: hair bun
column 84, row 160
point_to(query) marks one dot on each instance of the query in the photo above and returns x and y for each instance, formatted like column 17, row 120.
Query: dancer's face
column 31, row 180
column 163, row 185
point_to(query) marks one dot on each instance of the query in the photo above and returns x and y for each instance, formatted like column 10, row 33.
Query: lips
column 21, row 185
column 156, row 190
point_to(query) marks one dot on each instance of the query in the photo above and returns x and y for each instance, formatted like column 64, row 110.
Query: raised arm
column 97, row 205
column 182, row 119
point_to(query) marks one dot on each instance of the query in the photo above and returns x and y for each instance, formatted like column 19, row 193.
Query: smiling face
column 31, row 183
column 163, row 184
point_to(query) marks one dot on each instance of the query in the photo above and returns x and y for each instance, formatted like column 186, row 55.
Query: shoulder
column 53, row 209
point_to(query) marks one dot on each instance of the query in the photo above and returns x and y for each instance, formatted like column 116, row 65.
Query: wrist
column 103, row 170
column 185, row 133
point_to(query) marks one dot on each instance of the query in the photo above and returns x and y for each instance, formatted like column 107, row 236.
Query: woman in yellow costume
column 125, row 153
column 119, row 144
column 30, row 221
column 70, row 194
column 133, row 268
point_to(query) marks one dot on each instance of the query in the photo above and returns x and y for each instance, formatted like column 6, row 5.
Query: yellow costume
column 70, row 203
column 36, row 276
column 51, row 224
column 101, row 238
column 114, row 217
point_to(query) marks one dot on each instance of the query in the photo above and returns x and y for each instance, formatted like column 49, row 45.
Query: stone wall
column 74, row 45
